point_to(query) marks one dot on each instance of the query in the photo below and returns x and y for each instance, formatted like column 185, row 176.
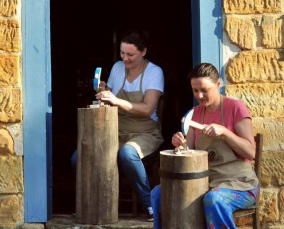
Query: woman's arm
column 242, row 142
column 145, row 108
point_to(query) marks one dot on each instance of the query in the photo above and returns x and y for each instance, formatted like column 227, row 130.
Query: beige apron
column 143, row 133
column 226, row 170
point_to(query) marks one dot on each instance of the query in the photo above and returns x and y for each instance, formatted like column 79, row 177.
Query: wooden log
column 184, row 181
column 97, row 171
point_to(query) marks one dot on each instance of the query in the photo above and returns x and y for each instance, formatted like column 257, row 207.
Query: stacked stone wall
column 11, row 150
column 254, row 73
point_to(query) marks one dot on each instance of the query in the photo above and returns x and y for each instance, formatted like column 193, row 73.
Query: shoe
column 150, row 217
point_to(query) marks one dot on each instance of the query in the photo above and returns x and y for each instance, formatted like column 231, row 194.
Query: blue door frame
column 37, row 110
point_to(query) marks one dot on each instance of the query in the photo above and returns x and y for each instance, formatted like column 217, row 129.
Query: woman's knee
column 211, row 198
column 127, row 153
column 156, row 191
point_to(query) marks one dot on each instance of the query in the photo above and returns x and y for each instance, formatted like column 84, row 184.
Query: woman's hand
column 178, row 139
column 213, row 130
column 107, row 96
column 102, row 86
column 242, row 142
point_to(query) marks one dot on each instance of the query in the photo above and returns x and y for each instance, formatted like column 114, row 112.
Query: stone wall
column 11, row 143
column 254, row 67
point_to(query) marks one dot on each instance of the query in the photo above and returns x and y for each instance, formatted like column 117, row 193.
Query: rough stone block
column 269, row 211
column 9, row 69
column 11, row 174
column 281, row 205
column 6, row 142
column 273, row 132
column 241, row 31
column 263, row 100
column 10, row 35
column 252, row 6
column 10, row 105
column 272, row 169
column 256, row 66
column 272, row 27
column 9, row 208
column 8, row 8
column 274, row 227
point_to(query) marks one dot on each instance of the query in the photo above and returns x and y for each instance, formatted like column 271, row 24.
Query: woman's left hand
column 107, row 96
column 214, row 130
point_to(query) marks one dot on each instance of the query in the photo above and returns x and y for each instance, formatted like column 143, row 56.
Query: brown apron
column 143, row 133
column 226, row 170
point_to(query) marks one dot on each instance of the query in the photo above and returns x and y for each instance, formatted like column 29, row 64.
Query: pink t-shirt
column 234, row 111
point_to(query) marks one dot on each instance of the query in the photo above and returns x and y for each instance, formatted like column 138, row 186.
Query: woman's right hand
column 102, row 86
column 177, row 139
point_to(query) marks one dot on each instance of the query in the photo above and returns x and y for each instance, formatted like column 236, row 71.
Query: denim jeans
column 73, row 160
column 134, row 171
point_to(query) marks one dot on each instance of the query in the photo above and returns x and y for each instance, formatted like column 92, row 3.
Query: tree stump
column 97, row 171
column 184, row 181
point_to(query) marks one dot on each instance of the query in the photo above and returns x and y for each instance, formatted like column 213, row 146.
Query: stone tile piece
column 273, row 132
column 269, row 211
column 262, row 99
column 272, row 27
column 6, row 143
column 256, row 67
column 11, row 174
column 252, row 6
column 281, row 205
column 10, row 67
column 9, row 207
column 10, row 105
column 8, row 8
column 241, row 31
column 10, row 35
column 272, row 169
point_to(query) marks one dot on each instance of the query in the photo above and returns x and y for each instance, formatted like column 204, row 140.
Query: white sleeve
column 154, row 79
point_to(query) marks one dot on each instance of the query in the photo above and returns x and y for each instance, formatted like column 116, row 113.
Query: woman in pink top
column 228, row 139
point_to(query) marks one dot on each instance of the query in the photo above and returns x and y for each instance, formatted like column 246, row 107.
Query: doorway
column 83, row 37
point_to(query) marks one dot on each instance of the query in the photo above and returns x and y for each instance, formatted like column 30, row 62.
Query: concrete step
column 125, row 222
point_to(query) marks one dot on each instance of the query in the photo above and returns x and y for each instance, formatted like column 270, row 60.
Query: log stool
column 97, row 171
column 184, row 181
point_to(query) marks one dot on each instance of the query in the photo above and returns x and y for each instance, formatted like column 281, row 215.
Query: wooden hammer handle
column 196, row 125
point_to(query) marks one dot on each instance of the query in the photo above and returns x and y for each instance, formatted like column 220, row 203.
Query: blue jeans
column 218, row 205
column 74, row 159
column 134, row 171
